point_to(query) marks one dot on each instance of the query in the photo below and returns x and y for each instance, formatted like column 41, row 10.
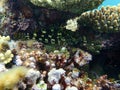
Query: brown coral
column 104, row 20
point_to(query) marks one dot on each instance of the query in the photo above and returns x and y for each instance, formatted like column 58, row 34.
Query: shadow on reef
column 23, row 20
column 108, row 61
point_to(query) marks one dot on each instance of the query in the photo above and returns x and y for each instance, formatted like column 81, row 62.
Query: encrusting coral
column 104, row 20
column 5, row 53
column 75, row 6
column 10, row 78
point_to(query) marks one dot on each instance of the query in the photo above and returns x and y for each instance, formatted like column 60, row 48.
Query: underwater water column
column 110, row 3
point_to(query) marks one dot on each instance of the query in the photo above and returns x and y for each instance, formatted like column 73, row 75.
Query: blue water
column 110, row 3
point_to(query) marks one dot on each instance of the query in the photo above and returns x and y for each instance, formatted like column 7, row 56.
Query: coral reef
column 19, row 24
column 33, row 67
column 10, row 78
column 5, row 53
column 33, row 75
column 74, row 6
column 45, row 28
column 16, row 24
column 58, row 66
column 105, row 20
column 72, row 24
column 95, row 27
column 30, row 56
column 16, row 18
column 27, row 21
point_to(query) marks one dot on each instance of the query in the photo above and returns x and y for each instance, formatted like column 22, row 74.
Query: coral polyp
column 104, row 20
column 5, row 53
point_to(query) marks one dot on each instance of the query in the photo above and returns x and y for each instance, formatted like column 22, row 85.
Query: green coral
column 107, row 19
column 94, row 27
column 75, row 6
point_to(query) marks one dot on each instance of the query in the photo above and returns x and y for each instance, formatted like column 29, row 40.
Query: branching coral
column 21, row 26
column 6, row 57
column 75, row 6
column 104, row 20
column 10, row 78
column 5, row 54
column 72, row 24
column 94, row 27
column 33, row 75
column 3, row 42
